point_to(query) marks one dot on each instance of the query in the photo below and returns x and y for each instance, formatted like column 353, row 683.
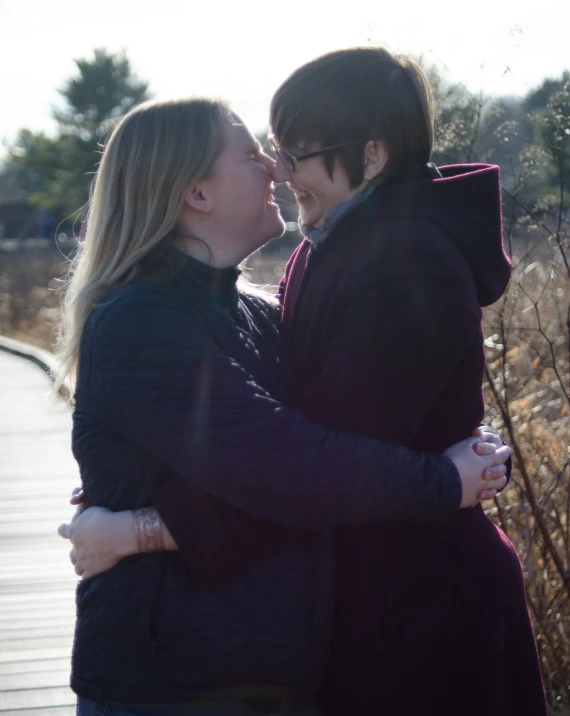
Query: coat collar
column 195, row 280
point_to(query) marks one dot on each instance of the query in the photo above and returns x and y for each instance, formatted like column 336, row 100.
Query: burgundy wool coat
column 383, row 324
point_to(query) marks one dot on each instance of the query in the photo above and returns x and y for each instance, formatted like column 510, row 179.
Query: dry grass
column 528, row 401
column 29, row 303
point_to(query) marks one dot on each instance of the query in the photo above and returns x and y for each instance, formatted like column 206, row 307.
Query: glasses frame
column 296, row 158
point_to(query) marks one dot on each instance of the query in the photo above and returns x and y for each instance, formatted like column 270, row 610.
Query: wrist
column 148, row 530
column 124, row 534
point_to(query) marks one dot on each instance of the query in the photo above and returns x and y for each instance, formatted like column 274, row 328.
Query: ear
column 375, row 158
column 199, row 197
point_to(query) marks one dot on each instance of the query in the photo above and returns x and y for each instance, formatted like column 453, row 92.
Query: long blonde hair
column 156, row 152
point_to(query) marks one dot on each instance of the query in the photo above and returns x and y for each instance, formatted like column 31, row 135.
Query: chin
column 310, row 220
column 277, row 230
column 275, row 233
column 280, row 231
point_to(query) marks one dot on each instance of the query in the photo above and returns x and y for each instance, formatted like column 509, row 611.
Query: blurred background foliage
column 55, row 173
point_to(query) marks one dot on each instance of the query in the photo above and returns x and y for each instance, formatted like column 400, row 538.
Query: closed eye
column 255, row 152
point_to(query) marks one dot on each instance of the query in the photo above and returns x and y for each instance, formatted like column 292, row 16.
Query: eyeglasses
column 290, row 161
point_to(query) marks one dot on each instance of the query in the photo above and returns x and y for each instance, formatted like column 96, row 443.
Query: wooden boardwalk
column 37, row 582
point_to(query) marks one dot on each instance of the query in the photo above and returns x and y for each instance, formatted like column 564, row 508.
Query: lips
column 301, row 196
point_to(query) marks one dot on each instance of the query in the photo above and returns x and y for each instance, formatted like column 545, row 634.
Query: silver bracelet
column 148, row 530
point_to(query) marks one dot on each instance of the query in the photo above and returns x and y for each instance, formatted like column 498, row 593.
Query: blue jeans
column 85, row 707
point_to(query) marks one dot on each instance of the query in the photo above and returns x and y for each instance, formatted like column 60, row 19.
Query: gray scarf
column 333, row 217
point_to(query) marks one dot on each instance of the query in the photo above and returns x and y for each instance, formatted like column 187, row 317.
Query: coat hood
column 465, row 203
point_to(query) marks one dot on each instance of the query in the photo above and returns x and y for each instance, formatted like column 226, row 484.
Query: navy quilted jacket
column 179, row 378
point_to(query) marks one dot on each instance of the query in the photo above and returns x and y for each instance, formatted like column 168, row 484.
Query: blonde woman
column 180, row 371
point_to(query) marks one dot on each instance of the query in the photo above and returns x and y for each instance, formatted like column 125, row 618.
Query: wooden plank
column 36, row 634
column 50, row 696
column 35, row 666
column 41, row 711
column 37, row 582
column 19, row 648
column 44, row 618
column 31, row 655
column 27, row 587
column 64, row 595
column 42, row 679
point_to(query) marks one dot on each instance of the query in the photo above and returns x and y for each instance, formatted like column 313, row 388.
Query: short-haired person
column 181, row 378
column 382, row 319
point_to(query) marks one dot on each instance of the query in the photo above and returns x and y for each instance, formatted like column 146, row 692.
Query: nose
column 268, row 162
column 280, row 173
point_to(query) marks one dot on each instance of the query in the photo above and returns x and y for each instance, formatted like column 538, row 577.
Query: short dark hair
column 364, row 93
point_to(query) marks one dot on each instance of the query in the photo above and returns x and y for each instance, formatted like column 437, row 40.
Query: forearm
column 134, row 532
column 277, row 465
column 102, row 538
column 215, row 539
column 147, row 531
column 227, row 436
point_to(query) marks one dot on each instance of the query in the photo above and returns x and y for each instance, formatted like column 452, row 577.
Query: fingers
column 77, row 496
column 488, row 446
column 498, row 484
column 485, row 435
column 486, row 495
column 65, row 530
column 493, row 439
column 77, row 566
column 494, row 472
column 500, row 455
column 79, row 510
column 484, row 448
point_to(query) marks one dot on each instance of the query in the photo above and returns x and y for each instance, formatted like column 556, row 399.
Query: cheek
column 325, row 196
column 242, row 189
column 249, row 195
column 319, row 185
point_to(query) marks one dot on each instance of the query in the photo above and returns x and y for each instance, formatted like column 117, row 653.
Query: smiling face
column 360, row 94
column 316, row 192
column 242, row 191
column 233, row 211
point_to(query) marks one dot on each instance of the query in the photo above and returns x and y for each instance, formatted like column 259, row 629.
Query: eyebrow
column 293, row 148
column 255, row 146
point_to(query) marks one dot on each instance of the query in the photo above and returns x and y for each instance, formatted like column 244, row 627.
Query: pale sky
column 243, row 50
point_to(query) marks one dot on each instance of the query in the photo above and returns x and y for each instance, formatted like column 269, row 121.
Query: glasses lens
column 288, row 160
column 285, row 158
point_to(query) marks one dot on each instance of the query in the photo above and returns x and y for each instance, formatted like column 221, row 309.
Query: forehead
column 237, row 135
column 296, row 143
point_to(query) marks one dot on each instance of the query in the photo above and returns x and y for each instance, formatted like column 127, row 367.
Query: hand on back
column 100, row 537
